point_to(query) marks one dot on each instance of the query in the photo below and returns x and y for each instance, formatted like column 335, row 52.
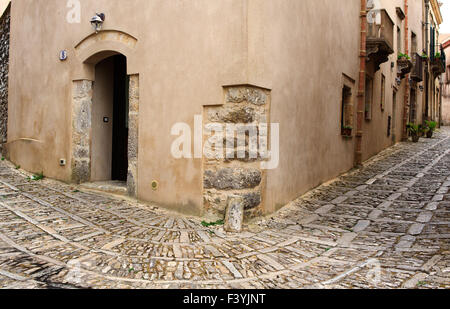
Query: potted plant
column 415, row 131
column 402, row 56
column 422, row 130
column 347, row 131
column 430, row 128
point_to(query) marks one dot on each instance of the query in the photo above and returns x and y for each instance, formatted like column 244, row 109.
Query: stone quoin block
column 81, row 171
column 133, row 135
column 133, row 125
column 234, row 217
column 218, row 200
column 232, row 178
column 234, row 114
column 246, row 94
column 81, row 126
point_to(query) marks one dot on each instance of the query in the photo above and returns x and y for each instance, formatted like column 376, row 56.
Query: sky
column 3, row 4
column 445, row 9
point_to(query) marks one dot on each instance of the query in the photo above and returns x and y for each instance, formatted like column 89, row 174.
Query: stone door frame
column 82, row 100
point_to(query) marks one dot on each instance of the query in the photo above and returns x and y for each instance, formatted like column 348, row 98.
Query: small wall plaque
column 63, row 55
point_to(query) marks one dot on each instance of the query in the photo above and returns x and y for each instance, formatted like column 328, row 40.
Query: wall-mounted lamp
column 97, row 22
column 421, row 88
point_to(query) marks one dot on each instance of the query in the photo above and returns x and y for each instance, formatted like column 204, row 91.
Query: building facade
column 445, row 120
column 435, row 64
column 320, row 87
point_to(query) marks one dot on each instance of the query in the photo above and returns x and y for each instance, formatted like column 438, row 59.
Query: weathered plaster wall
column 4, row 72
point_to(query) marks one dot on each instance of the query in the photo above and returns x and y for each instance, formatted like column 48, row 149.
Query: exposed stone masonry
column 133, row 134
column 81, row 127
column 4, row 71
column 227, row 175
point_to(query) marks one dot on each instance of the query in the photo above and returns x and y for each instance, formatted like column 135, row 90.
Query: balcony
column 438, row 64
column 417, row 70
column 380, row 37
column 404, row 65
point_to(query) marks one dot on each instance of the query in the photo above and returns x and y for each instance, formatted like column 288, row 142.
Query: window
column 413, row 43
column 383, row 92
column 399, row 40
column 346, row 110
column 348, row 85
column 369, row 98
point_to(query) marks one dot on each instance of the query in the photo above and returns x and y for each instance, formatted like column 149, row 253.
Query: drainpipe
column 362, row 84
column 407, row 86
column 441, row 84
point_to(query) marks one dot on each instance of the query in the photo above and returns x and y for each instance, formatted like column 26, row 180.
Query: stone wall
column 81, row 130
column 4, row 71
column 133, row 135
column 234, row 170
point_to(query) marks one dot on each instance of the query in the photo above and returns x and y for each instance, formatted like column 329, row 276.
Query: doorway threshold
column 112, row 187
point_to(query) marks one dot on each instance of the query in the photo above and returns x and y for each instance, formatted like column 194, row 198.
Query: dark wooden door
column 120, row 120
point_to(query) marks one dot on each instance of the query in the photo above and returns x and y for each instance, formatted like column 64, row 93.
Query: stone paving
column 386, row 225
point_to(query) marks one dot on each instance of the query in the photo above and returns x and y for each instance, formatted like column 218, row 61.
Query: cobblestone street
column 386, row 225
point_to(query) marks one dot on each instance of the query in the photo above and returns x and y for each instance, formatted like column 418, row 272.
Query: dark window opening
column 346, row 111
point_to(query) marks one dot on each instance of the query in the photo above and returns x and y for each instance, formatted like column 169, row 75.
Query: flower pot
column 430, row 134
column 415, row 138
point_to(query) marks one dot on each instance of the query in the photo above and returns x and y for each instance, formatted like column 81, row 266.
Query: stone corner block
column 234, row 217
column 248, row 94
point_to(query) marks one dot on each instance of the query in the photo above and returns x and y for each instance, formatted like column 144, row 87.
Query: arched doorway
column 110, row 118
column 105, row 112
column 105, row 126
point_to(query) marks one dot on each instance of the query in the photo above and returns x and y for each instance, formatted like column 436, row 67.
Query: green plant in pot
column 422, row 130
column 402, row 56
column 415, row 131
column 347, row 131
column 430, row 128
